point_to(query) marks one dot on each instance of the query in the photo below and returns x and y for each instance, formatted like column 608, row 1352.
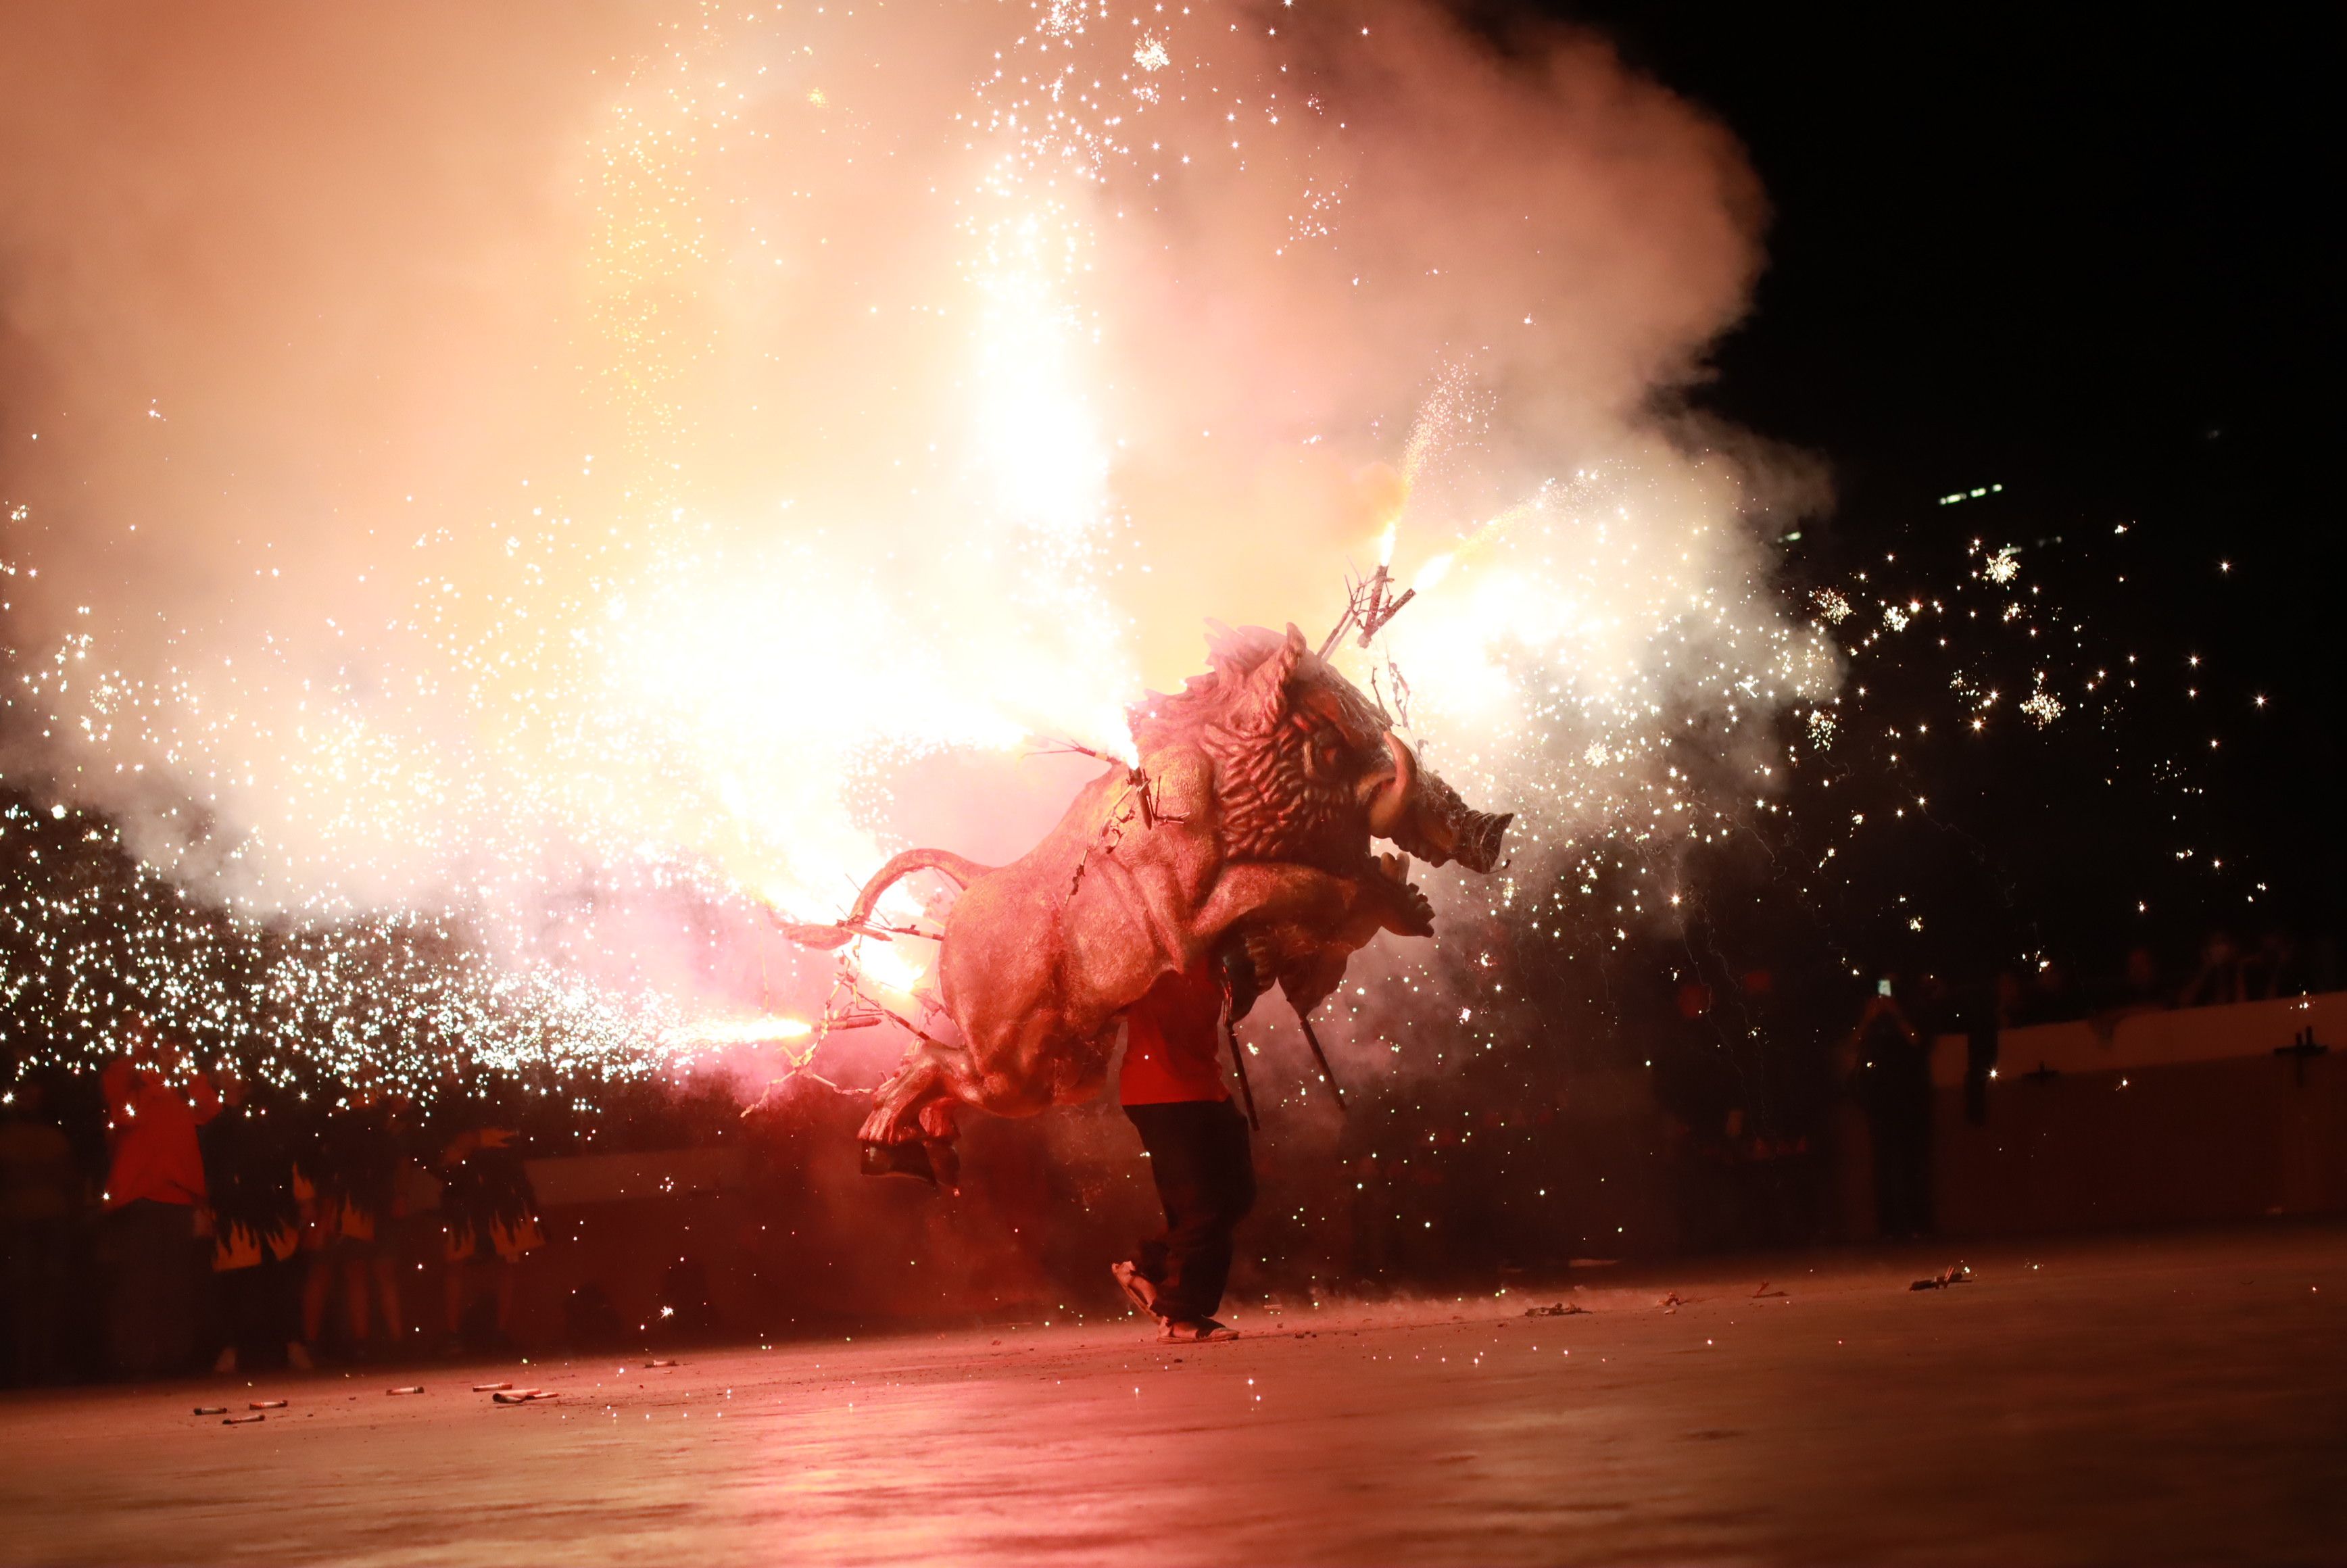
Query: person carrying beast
column 1196, row 1142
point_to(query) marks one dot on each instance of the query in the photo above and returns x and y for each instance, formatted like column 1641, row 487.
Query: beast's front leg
column 1346, row 909
column 911, row 1130
column 923, row 1078
column 1404, row 911
column 1307, row 961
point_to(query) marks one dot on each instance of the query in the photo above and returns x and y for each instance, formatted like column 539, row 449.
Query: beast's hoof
column 931, row 1160
column 910, row 1158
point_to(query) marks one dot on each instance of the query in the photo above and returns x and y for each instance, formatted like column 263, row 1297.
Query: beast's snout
column 1480, row 838
column 1421, row 814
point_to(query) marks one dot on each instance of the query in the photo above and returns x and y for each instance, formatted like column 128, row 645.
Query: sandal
column 1202, row 1331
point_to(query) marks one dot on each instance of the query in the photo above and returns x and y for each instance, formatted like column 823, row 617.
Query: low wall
column 2167, row 1117
column 2165, row 1038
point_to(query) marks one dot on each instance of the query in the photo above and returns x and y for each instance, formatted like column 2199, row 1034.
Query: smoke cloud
column 460, row 455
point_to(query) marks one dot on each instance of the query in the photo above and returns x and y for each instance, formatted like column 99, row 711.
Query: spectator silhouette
column 41, row 1200
column 154, row 1187
column 2219, row 978
column 256, row 1227
column 2275, row 969
column 2051, row 999
column 1893, row 1086
column 351, row 1169
column 2139, row 990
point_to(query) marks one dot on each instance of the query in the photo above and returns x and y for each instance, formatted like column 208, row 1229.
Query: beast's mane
column 1233, row 654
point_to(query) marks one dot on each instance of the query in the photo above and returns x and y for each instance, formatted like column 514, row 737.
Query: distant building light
column 1973, row 495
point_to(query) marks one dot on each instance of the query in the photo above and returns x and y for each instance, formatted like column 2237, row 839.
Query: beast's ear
column 1263, row 699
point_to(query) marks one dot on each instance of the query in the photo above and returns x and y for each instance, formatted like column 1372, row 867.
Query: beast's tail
column 960, row 869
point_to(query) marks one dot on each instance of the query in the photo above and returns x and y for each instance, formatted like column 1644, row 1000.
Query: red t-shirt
column 153, row 1130
column 1172, row 1047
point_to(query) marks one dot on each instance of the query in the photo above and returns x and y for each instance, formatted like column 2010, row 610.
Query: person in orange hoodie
column 154, row 1189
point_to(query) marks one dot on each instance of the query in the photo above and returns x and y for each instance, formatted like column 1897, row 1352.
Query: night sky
column 2087, row 257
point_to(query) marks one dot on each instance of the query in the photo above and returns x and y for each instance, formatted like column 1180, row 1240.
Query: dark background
column 2088, row 258
column 2086, row 255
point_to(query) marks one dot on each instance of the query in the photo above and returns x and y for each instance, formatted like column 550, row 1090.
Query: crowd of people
column 1768, row 1073
column 210, row 1221
column 2225, row 969
column 155, row 1218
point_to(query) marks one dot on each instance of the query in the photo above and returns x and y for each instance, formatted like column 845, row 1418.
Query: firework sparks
column 705, row 648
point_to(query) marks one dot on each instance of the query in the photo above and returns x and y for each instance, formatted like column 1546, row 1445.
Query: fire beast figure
column 1239, row 842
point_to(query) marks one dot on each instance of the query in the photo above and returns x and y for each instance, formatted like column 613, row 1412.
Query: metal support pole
column 1238, row 1061
column 1321, row 1057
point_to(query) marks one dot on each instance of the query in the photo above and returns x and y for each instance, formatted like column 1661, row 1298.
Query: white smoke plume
column 458, row 456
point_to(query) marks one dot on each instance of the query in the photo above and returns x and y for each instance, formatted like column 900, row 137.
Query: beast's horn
column 1390, row 807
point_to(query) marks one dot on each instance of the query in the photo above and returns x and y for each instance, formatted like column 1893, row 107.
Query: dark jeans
column 153, row 1272
column 1205, row 1172
column 40, row 1299
column 257, row 1311
column 1902, row 1171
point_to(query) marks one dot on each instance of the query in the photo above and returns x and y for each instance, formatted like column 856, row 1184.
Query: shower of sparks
column 2042, row 707
column 663, row 704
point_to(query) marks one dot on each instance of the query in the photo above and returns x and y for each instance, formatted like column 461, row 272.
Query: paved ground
column 2179, row 1398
